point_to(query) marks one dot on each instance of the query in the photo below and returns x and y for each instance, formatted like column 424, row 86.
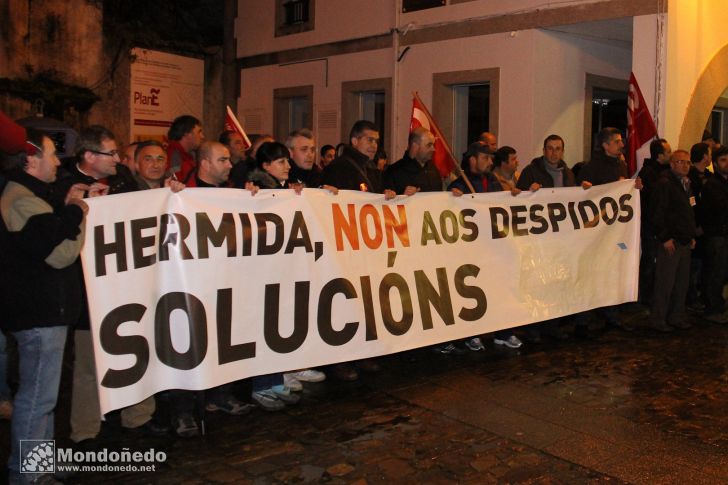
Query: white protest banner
column 203, row 287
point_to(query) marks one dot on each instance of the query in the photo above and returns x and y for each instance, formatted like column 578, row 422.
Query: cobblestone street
column 621, row 408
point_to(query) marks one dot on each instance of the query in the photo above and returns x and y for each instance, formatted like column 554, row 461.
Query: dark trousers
column 672, row 275
column 647, row 268
column 716, row 260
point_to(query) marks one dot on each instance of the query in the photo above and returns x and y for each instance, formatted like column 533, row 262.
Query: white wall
column 561, row 64
column 334, row 20
column 696, row 32
column 258, row 84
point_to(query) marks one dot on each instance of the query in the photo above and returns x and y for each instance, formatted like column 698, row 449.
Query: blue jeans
column 41, row 355
column 4, row 389
column 262, row 383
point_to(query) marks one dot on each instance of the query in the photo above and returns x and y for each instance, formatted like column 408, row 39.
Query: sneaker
column 309, row 375
column 268, row 400
column 6, row 409
column 186, row 426
column 511, row 342
column 230, row 405
column 474, row 344
column 715, row 318
column 285, row 394
column 447, row 349
column 291, row 382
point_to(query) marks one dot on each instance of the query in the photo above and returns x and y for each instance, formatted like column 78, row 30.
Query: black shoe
column 661, row 327
column 558, row 334
column 621, row 325
column 682, row 325
column 153, row 428
column 582, row 332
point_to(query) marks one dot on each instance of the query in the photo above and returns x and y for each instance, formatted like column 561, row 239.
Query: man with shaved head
column 414, row 172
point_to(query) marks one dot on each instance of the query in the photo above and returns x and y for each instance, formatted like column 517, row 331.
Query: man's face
column 481, row 164
column 103, row 162
column 680, row 164
column 303, row 152
column 511, row 165
column 490, row 141
column 614, row 146
column 278, row 169
column 328, row 157
column 237, row 146
column 194, row 137
column 151, row 163
column 721, row 165
column 219, row 165
column 553, row 152
column 425, row 148
column 366, row 143
column 664, row 157
column 127, row 157
column 44, row 165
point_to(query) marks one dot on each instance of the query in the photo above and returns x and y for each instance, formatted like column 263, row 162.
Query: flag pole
column 457, row 169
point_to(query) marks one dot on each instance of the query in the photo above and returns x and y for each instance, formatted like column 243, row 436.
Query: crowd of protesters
column 684, row 244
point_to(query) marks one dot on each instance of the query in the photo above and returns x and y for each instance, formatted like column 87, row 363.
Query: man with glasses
column 673, row 223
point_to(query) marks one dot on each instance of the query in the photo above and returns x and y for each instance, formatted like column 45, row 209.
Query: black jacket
column 672, row 215
column 714, row 206
column 309, row 178
column 536, row 172
column 39, row 286
column 649, row 174
column 353, row 171
column 602, row 169
column 408, row 171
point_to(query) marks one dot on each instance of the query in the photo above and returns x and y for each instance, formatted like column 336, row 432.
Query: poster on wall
column 163, row 86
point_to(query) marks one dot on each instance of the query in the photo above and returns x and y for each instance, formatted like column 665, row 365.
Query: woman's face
column 278, row 169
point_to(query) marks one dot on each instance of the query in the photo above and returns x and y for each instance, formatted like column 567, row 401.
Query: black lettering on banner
column 394, row 280
column 196, row 325
column 518, row 219
column 535, row 214
column 115, row 344
column 472, row 292
column 557, row 213
column 589, row 220
column 427, row 295
column 262, row 220
column 451, row 234
column 608, row 204
column 206, row 232
column 499, row 230
column 271, row 321
column 366, row 296
column 325, row 327
column 429, row 232
column 103, row 249
column 572, row 213
column 226, row 352
column 299, row 235
column 167, row 237
column 139, row 243
column 468, row 225
column 626, row 210
column 247, row 234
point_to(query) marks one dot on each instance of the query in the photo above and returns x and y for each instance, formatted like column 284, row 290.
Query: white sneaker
column 284, row 394
column 511, row 342
column 474, row 344
column 290, row 381
column 309, row 375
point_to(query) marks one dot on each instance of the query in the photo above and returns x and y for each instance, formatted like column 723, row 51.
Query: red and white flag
column 442, row 158
column 640, row 125
column 232, row 124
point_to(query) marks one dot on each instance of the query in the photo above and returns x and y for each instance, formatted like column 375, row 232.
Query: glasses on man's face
column 112, row 153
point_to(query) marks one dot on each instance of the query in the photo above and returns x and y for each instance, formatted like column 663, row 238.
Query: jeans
column 4, row 388
column 40, row 351
column 262, row 383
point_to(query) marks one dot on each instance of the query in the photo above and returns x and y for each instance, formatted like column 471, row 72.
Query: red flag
column 232, row 124
column 442, row 158
column 640, row 125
